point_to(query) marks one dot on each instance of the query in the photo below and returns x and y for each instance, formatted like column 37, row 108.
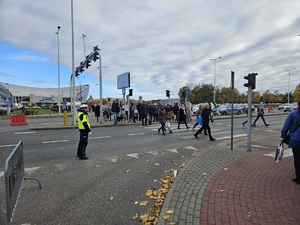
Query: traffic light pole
column 249, row 118
column 100, row 87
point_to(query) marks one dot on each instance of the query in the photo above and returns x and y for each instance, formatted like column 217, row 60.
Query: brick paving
column 223, row 186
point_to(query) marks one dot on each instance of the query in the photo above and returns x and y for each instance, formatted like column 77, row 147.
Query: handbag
column 200, row 120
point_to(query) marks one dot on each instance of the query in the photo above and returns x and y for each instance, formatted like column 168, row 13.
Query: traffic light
column 168, row 93
column 77, row 71
column 96, row 56
column 87, row 62
column 81, row 67
column 130, row 92
column 251, row 80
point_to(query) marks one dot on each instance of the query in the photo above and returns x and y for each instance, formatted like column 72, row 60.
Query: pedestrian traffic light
column 251, row 80
column 130, row 92
column 77, row 71
column 168, row 93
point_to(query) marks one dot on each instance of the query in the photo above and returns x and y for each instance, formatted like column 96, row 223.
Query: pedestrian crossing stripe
column 286, row 153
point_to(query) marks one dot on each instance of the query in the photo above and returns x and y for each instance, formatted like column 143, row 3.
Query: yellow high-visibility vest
column 80, row 122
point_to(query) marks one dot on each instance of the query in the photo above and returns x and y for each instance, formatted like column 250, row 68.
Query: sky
column 164, row 44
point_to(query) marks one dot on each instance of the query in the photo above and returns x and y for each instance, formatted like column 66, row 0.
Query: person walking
column 169, row 117
column 84, row 130
column 206, row 117
column 144, row 113
column 198, row 113
column 115, row 108
column 182, row 117
column 155, row 112
column 162, row 119
column 246, row 110
column 97, row 112
column 292, row 126
column 260, row 113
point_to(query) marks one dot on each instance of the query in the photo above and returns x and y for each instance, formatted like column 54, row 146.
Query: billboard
column 123, row 80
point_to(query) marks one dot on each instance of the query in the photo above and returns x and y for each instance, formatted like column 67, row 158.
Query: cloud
column 165, row 44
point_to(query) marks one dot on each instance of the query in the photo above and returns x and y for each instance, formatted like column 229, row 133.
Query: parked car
column 280, row 107
column 290, row 107
column 226, row 109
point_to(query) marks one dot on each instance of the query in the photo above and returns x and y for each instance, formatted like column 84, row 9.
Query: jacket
column 205, row 114
column 162, row 115
column 290, row 125
column 83, row 122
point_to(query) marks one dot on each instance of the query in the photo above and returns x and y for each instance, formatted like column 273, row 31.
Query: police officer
column 84, row 129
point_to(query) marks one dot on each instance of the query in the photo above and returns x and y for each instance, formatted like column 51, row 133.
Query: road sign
column 7, row 100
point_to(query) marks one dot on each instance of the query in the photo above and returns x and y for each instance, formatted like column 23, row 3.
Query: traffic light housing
column 87, row 62
column 251, row 80
column 130, row 92
column 77, row 71
column 168, row 93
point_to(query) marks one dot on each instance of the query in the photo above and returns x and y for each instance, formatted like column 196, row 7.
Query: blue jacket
column 290, row 124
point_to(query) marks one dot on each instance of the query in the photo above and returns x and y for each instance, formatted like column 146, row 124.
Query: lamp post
column 73, row 68
column 8, row 97
column 83, row 36
column 58, row 68
column 215, row 60
column 289, row 84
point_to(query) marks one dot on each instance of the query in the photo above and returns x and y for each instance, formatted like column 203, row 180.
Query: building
column 40, row 96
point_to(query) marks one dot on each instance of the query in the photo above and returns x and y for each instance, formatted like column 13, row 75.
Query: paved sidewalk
column 223, row 186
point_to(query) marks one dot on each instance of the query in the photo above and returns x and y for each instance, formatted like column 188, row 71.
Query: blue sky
column 164, row 44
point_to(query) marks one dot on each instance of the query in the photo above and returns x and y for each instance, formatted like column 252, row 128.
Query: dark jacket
column 205, row 116
column 182, row 116
column 115, row 107
column 162, row 115
column 97, row 111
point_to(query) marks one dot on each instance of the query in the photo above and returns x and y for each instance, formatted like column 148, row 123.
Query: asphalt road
column 124, row 161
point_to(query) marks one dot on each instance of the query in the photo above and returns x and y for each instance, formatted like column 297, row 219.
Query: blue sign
column 7, row 100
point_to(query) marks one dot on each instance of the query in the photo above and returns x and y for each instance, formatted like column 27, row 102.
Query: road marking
column 153, row 152
column 136, row 134
column 27, row 170
column 286, row 153
column 235, row 136
column 29, row 132
column 4, row 146
column 173, row 150
column 191, row 148
column 113, row 159
column 134, row 155
column 49, row 142
column 99, row 137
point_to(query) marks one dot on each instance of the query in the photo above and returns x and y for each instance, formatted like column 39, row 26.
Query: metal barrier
column 14, row 176
column 18, row 120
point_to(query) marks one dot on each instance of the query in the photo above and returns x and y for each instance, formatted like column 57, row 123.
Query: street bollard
column 65, row 118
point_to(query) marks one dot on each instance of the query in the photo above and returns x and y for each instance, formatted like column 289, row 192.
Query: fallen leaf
column 136, row 202
column 225, row 168
column 166, row 217
column 143, row 203
column 170, row 211
column 128, row 171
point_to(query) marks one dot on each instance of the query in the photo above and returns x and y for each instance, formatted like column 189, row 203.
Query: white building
column 41, row 96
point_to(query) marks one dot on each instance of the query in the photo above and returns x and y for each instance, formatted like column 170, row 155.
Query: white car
column 195, row 108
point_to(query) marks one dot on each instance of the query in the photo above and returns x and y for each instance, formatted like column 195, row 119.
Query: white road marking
column 227, row 137
column 173, row 150
column 134, row 155
column 27, row 170
column 153, row 152
column 136, row 134
column 113, row 159
column 259, row 146
column 91, row 138
column 28, row 132
column 4, row 146
column 50, row 142
column 286, row 153
column 191, row 148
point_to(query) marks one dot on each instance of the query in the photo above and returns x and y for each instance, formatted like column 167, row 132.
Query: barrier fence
column 14, row 176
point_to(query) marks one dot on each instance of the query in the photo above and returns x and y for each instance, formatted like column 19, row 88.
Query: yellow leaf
column 135, row 217
column 154, row 181
column 166, row 217
column 170, row 211
column 149, row 192
column 143, row 203
column 172, row 223
column 136, row 202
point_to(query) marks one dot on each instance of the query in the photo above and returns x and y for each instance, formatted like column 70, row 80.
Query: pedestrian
column 162, row 119
column 206, row 117
column 246, row 110
column 176, row 111
column 115, row 108
column 169, row 117
column 84, row 130
column 155, row 112
column 260, row 113
column 182, row 117
column 150, row 113
column 97, row 112
column 144, row 113
column 291, row 126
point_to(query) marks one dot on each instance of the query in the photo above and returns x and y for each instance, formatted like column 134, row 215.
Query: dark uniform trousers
column 83, row 142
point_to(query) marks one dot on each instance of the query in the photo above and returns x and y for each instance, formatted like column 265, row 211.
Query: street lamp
column 83, row 36
column 289, row 84
column 215, row 76
column 58, row 70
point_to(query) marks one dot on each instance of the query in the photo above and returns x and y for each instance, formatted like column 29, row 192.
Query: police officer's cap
column 83, row 107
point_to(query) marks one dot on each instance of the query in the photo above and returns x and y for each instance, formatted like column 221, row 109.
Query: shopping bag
column 200, row 120
column 168, row 124
column 279, row 153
